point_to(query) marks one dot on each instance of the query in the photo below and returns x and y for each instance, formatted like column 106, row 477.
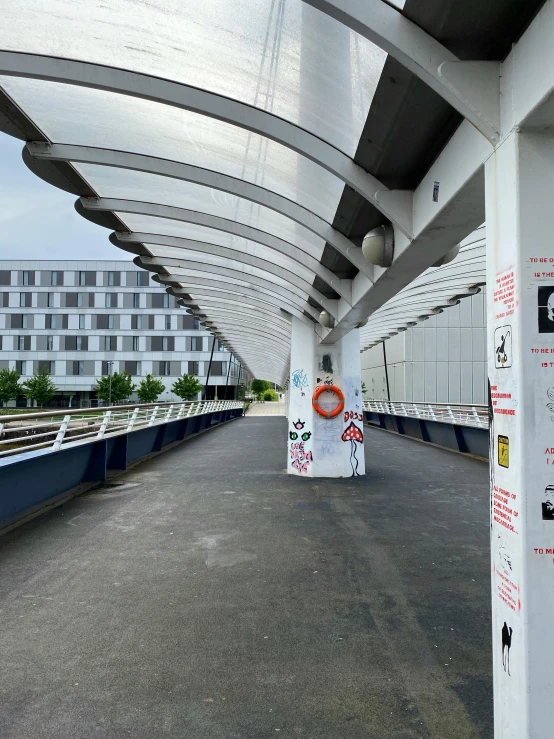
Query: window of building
column 82, row 343
column 108, row 300
column 50, row 320
column 196, row 343
column 23, row 343
column 107, row 368
column 137, row 322
column 80, row 300
column 166, row 300
column 25, row 300
column 168, row 322
column 25, row 321
column 218, row 369
column 21, row 366
column 132, row 368
column 136, row 300
column 142, row 279
column 111, row 279
column 110, row 343
column 165, row 344
column 110, row 321
column 78, row 367
column 196, row 325
column 220, row 347
column 50, row 300
column 49, row 343
column 5, row 277
column 86, row 279
column 26, row 277
column 82, row 321
column 54, row 279
column 194, row 368
column 165, row 369
column 135, row 343
column 46, row 364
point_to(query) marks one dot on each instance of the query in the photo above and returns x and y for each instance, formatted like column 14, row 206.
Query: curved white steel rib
column 472, row 88
column 342, row 287
column 200, row 285
column 186, row 97
column 208, row 178
column 298, row 283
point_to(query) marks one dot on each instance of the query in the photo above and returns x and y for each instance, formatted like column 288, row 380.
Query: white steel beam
column 472, row 88
column 231, row 263
column 210, row 104
column 207, row 178
column 342, row 287
column 234, row 292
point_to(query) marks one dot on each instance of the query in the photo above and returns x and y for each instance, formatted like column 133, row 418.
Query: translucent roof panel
column 76, row 115
column 141, row 186
column 179, row 229
column 282, row 56
column 231, row 264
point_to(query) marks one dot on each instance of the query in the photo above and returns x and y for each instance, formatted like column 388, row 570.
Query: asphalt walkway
column 208, row 595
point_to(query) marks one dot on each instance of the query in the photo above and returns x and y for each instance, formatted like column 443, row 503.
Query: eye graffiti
column 301, row 457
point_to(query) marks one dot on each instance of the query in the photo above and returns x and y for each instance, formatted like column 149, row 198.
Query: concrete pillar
column 519, row 181
column 317, row 446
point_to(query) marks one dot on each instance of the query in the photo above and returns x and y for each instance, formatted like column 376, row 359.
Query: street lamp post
column 110, row 372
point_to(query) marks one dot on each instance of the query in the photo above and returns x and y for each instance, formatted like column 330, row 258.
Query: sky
column 38, row 221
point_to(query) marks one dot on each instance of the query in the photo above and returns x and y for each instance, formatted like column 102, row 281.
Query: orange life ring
column 328, row 389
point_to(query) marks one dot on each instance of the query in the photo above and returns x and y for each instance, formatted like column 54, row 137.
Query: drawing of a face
column 550, row 307
column 293, row 435
column 299, row 425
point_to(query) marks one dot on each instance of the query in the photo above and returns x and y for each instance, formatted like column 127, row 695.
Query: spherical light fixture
column 378, row 246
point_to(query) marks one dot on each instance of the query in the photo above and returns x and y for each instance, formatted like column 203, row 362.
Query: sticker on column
column 545, row 296
column 507, row 632
column 550, row 406
column 548, row 504
column 503, row 451
column 503, row 347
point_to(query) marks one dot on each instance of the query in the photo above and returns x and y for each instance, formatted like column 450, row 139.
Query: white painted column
column 317, row 446
column 520, row 290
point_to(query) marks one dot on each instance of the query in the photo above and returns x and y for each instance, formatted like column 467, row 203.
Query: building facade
column 441, row 360
column 86, row 319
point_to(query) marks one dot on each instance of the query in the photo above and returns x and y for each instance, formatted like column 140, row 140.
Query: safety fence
column 463, row 428
column 55, row 429
column 466, row 415
column 46, row 458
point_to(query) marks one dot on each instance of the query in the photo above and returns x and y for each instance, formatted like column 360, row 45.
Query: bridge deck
column 208, row 595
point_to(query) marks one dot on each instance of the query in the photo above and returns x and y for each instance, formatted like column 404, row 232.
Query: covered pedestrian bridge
column 307, row 177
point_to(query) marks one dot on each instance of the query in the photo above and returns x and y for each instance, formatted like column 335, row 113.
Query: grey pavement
column 208, row 595
column 267, row 409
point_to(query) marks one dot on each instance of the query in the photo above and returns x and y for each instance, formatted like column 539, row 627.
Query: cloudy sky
column 38, row 221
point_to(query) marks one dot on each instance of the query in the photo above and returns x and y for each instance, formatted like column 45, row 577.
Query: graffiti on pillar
column 300, row 455
column 352, row 415
column 545, row 295
column 355, row 436
column 507, row 632
column 548, row 504
column 300, row 380
column 503, row 347
column 550, row 405
column 504, row 556
column 503, row 451
column 326, row 364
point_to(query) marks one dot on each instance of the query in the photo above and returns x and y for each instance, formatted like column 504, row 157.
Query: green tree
column 187, row 387
column 364, row 389
column 39, row 387
column 9, row 385
column 149, row 389
column 114, row 387
column 259, row 387
column 270, row 395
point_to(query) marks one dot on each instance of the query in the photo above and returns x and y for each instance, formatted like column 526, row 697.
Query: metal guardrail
column 58, row 429
column 460, row 414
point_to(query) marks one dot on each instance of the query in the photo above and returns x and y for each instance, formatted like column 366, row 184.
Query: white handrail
column 454, row 413
column 77, row 425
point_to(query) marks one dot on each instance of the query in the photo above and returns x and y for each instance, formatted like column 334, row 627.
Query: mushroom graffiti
column 355, row 436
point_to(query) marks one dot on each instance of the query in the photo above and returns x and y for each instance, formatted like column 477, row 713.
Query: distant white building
column 85, row 319
column 441, row 360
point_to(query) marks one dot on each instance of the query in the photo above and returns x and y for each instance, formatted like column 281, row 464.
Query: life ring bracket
column 328, row 389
